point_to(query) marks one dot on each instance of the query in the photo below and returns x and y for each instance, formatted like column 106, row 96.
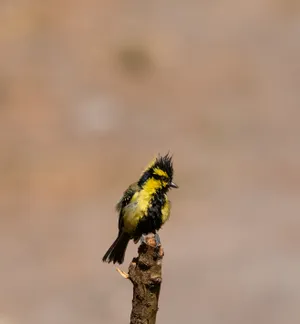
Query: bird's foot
column 153, row 240
column 157, row 240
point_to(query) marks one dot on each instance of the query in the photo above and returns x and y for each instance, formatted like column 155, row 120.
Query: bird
column 144, row 207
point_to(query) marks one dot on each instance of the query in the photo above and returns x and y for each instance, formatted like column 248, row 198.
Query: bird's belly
column 143, row 218
column 156, row 216
column 149, row 224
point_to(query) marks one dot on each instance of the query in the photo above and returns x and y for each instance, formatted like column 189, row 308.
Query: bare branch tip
column 123, row 273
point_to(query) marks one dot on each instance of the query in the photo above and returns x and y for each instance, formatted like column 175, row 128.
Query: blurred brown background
column 90, row 91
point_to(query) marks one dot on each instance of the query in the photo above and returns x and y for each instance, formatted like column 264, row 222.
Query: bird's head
column 159, row 174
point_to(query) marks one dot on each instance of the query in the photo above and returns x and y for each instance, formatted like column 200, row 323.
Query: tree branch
column 145, row 275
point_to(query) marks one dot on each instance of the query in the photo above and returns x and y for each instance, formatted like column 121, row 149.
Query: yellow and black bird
column 144, row 207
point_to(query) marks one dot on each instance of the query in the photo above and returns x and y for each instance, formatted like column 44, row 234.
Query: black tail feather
column 117, row 250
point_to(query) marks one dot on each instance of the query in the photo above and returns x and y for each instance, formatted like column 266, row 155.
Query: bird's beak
column 173, row 185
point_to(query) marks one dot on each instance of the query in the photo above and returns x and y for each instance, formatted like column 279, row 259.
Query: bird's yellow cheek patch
column 150, row 187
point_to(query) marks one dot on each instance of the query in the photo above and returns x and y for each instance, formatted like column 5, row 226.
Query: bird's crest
column 161, row 166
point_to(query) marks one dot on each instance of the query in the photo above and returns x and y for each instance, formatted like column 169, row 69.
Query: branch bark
column 146, row 277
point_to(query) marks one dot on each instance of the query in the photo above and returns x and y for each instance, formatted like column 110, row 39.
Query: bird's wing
column 127, row 195
column 125, row 200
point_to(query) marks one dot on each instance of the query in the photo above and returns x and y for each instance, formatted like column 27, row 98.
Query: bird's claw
column 153, row 240
column 157, row 240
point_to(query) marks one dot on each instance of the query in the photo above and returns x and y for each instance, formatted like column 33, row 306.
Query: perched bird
column 144, row 207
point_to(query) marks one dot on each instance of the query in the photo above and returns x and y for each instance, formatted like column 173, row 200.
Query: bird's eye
column 156, row 177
